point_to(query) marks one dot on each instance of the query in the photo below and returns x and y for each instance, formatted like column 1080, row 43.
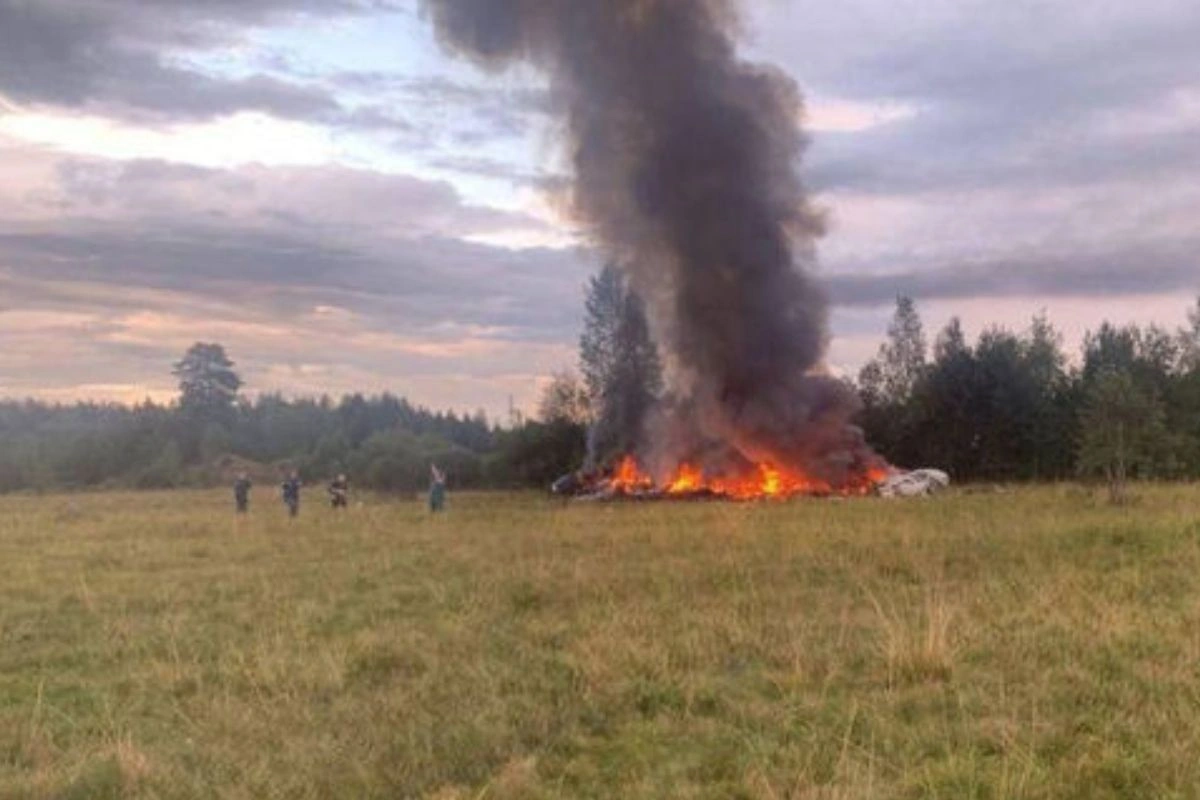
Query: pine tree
column 620, row 365
column 888, row 384
column 208, row 384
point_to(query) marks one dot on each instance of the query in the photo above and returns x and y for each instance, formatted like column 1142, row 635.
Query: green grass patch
column 1030, row 644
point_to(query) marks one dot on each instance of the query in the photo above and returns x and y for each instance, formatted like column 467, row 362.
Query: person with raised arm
column 437, row 489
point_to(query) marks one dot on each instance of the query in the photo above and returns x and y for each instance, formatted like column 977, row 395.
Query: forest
column 1008, row 406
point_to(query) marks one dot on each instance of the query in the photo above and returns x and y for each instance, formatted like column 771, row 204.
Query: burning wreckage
column 762, row 482
column 685, row 176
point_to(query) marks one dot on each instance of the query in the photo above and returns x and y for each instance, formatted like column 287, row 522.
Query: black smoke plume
column 685, row 161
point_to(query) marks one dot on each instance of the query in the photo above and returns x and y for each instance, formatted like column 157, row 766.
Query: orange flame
column 687, row 479
column 629, row 477
column 763, row 481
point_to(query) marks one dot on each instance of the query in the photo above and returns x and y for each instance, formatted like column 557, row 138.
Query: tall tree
column 598, row 344
column 888, row 384
column 1006, row 405
column 947, row 433
column 208, row 384
column 1122, row 430
column 620, row 365
column 894, row 373
column 1052, row 425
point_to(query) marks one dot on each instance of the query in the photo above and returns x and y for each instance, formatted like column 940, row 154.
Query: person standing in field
column 339, row 492
column 241, row 492
column 437, row 489
column 291, row 493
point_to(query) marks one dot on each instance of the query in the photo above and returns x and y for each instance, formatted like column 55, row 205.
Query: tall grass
column 1031, row 644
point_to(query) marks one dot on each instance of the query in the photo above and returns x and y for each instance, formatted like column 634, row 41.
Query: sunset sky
column 315, row 185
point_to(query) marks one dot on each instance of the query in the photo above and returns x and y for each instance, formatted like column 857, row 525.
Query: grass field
column 1035, row 644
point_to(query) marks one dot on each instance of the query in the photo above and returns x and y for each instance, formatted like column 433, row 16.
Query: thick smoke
column 685, row 164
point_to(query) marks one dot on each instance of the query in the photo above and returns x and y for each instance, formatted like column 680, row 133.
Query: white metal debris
column 916, row 483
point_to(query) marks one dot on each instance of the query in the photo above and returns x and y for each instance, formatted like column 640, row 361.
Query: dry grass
column 1035, row 644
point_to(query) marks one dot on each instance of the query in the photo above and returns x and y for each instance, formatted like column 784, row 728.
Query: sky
column 315, row 185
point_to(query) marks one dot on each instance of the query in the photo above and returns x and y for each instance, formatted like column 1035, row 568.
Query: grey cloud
column 1166, row 267
column 1052, row 149
column 114, row 57
column 388, row 247
column 1061, row 56
column 1011, row 102
column 930, row 155
column 407, row 287
column 483, row 111
column 500, row 170
column 440, row 90
column 376, row 117
column 200, row 259
column 142, row 85
column 1006, row 94
column 338, row 201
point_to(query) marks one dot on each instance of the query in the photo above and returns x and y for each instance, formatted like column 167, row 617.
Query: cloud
column 951, row 150
column 360, row 273
column 285, row 237
column 120, row 58
column 496, row 169
column 409, row 286
column 452, row 114
column 1046, row 151
column 338, row 201
column 970, row 152
column 1161, row 269
column 1004, row 93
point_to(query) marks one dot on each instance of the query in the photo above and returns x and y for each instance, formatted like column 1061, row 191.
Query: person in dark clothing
column 291, row 494
column 339, row 492
column 241, row 492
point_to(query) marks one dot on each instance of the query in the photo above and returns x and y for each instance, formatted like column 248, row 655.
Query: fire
column 629, row 477
column 687, row 479
column 765, row 481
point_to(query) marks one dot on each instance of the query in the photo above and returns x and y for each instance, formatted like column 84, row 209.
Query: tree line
column 212, row 431
column 383, row 442
column 1008, row 406
column 1012, row 406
